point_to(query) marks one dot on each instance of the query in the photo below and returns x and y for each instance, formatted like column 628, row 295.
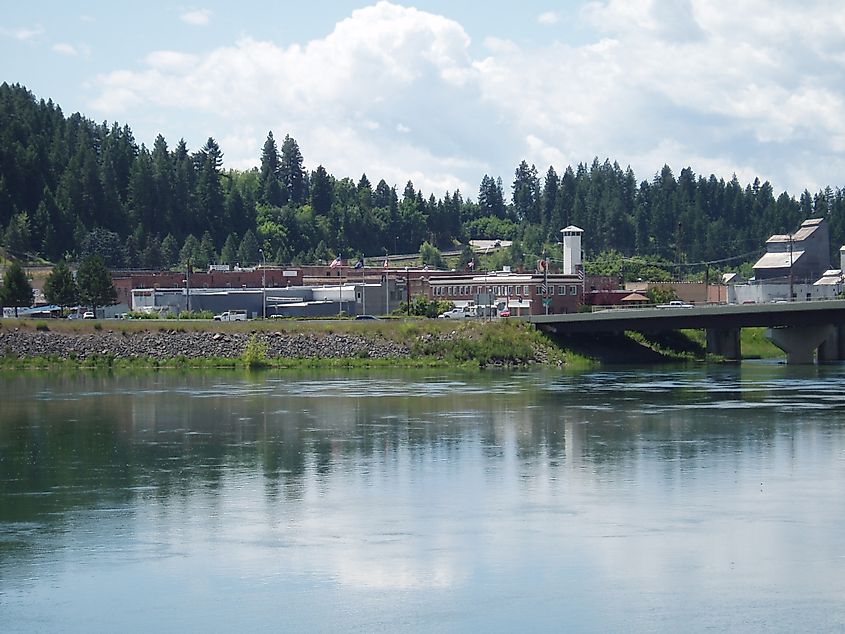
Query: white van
column 231, row 315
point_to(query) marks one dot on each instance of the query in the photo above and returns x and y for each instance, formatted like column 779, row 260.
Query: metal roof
column 778, row 260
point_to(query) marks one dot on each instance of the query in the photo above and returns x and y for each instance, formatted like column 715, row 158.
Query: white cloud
column 197, row 17
column 23, row 34
column 548, row 18
column 65, row 49
column 752, row 88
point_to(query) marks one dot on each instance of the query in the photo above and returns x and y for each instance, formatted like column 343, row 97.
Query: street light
column 263, row 284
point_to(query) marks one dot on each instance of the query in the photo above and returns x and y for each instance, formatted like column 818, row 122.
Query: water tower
column 571, row 238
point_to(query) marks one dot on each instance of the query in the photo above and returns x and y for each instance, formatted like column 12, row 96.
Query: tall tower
column 571, row 238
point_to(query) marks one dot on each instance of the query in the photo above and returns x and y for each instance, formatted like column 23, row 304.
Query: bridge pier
column 724, row 342
column 833, row 348
column 800, row 342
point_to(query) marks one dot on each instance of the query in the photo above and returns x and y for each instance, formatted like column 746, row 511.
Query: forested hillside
column 70, row 186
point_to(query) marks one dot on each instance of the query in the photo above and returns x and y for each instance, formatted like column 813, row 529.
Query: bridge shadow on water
column 636, row 348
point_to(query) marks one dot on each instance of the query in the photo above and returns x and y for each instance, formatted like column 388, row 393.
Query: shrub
column 255, row 353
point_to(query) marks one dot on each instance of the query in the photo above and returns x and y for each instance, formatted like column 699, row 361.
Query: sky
column 443, row 92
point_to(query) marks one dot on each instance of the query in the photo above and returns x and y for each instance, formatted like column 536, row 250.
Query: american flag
column 336, row 262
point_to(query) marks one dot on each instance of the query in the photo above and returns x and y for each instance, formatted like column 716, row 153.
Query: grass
column 755, row 345
column 433, row 343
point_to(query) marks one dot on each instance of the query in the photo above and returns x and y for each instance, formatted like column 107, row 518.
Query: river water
column 703, row 499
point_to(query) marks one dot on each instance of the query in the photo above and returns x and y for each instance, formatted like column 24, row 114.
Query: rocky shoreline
column 170, row 344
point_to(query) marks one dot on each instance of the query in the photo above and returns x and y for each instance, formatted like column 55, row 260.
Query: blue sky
column 442, row 93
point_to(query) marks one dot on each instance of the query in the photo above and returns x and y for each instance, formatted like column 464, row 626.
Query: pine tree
column 270, row 186
column 16, row 290
column 291, row 172
column 169, row 251
column 229, row 253
column 248, row 251
column 188, row 254
column 321, row 191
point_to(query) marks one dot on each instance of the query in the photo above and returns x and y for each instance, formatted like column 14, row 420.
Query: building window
column 573, row 290
column 561, row 290
column 525, row 290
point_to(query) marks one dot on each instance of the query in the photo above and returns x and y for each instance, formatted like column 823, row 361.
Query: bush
column 255, row 353
column 195, row 314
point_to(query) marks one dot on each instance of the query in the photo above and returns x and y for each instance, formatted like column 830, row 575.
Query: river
column 706, row 498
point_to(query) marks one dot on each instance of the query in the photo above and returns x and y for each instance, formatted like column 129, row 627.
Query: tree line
column 70, row 188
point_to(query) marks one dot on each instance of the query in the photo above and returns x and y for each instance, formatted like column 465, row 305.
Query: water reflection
column 528, row 490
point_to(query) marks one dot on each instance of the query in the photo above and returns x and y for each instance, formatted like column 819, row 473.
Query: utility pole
column 791, row 294
column 188, row 286
column 263, row 284
column 546, row 300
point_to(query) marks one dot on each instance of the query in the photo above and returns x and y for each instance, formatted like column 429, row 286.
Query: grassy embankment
column 431, row 343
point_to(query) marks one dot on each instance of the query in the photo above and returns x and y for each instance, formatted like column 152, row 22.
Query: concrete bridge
column 798, row 328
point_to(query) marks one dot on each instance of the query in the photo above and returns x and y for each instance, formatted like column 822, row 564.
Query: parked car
column 365, row 317
column 676, row 303
column 88, row 315
column 505, row 313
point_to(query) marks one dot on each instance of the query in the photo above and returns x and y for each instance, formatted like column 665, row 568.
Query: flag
column 471, row 265
column 336, row 262
column 360, row 263
column 386, row 263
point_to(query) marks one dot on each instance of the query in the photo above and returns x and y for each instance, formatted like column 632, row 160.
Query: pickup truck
column 231, row 315
column 676, row 303
column 456, row 313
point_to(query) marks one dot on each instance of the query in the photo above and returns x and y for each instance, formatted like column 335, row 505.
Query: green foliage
column 17, row 235
column 95, row 283
column 71, row 186
column 196, row 314
column 661, row 295
column 422, row 306
column 431, row 256
column 16, row 290
column 60, row 288
column 255, row 353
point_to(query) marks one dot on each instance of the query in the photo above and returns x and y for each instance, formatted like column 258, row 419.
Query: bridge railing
column 602, row 308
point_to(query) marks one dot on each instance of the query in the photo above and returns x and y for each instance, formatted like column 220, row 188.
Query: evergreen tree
column 270, row 186
column 291, row 172
column 188, row 253
column 229, row 252
column 209, row 191
column 206, row 253
column 321, row 191
column 150, row 257
column 17, row 235
column 169, row 251
column 526, row 187
column 95, row 283
column 60, row 287
column 248, row 251
column 16, row 290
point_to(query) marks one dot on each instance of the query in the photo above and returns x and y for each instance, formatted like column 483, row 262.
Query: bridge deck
column 716, row 316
